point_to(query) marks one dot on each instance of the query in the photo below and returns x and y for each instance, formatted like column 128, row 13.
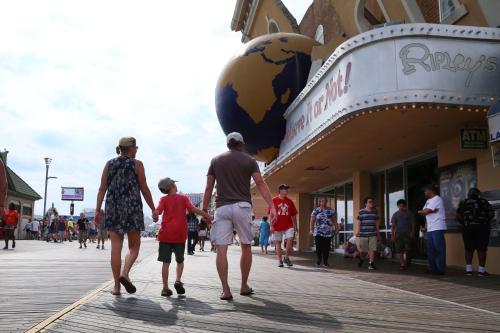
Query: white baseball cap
column 235, row 136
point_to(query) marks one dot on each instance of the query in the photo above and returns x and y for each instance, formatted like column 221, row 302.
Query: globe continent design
column 256, row 87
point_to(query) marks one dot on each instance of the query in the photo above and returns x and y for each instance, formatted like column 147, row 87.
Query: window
column 27, row 210
column 450, row 11
column 319, row 35
column 272, row 26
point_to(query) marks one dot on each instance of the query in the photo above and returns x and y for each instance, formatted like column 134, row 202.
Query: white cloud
column 77, row 75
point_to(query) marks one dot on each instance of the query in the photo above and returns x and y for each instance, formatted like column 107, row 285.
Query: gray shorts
column 237, row 216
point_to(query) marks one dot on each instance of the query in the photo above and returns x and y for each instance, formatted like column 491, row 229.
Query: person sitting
column 350, row 248
column 384, row 251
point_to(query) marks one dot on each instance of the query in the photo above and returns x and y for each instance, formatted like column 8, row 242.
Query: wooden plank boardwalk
column 297, row 299
column 38, row 279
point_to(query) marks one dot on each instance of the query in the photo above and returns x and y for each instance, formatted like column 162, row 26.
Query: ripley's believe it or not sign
column 403, row 64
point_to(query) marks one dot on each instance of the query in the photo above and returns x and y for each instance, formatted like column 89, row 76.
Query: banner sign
column 72, row 193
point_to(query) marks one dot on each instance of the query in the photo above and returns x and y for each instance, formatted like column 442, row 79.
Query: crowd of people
column 123, row 185
column 56, row 228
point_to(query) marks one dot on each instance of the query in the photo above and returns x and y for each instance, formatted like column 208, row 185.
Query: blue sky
column 75, row 76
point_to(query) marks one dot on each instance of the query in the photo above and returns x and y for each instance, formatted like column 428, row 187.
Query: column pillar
column 304, row 206
column 361, row 186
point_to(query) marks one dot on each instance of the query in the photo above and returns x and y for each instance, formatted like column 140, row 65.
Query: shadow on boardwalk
column 171, row 311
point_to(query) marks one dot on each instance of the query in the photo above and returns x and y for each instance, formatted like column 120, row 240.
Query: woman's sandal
column 247, row 293
column 129, row 287
column 226, row 297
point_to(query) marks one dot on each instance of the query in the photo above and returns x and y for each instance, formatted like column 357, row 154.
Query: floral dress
column 123, row 211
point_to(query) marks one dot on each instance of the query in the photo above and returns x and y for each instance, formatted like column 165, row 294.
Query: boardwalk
column 298, row 299
column 38, row 279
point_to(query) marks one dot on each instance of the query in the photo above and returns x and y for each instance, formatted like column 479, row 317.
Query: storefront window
column 340, row 207
column 395, row 191
column 350, row 208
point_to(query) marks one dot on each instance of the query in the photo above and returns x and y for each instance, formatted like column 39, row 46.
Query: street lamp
column 47, row 163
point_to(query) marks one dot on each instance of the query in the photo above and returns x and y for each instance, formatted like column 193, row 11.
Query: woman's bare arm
column 102, row 189
column 141, row 175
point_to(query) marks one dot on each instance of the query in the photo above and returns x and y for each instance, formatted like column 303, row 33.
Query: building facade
column 21, row 194
column 397, row 98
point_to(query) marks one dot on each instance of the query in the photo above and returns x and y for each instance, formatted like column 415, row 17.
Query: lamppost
column 47, row 163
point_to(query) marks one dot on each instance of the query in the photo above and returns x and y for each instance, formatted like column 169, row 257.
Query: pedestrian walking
column 475, row 214
column 27, row 229
column 70, row 229
column 192, row 239
column 61, row 226
column 102, row 233
column 82, row 224
column 323, row 227
column 285, row 225
column 367, row 232
column 122, row 182
column 202, row 234
column 233, row 171
column 403, row 230
column 264, row 233
column 174, row 231
column 35, row 229
column 434, row 213
column 92, row 232
column 10, row 221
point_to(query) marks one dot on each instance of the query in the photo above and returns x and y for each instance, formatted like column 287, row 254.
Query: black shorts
column 166, row 249
column 476, row 238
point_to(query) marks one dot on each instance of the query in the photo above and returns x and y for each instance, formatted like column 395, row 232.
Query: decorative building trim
column 413, row 11
column 319, row 109
column 359, row 16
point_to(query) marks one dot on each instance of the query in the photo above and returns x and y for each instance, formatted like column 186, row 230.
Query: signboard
column 454, row 184
column 72, row 193
column 494, row 127
column 381, row 67
column 473, row 138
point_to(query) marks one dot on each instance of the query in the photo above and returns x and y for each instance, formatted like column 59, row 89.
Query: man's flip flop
column 226, row 298
column 129, row 287
column 247, row 293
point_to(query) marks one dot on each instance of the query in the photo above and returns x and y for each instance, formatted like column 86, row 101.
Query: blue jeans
column 436, row 251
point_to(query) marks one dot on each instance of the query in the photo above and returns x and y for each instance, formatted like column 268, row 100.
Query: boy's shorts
column 284, row 234
column 166, row 249
column 366, row 244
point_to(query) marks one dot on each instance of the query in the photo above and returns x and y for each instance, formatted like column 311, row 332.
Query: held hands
column 156, row 215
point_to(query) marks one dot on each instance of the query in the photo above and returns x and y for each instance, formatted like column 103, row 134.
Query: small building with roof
column 21, row 194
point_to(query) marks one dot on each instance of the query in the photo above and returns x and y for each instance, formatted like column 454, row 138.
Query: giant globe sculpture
column 256, row 87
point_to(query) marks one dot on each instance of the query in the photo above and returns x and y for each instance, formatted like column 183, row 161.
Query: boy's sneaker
column 80, row 246
column 288, row 262
column 281, row 264
column 318, row 264
column 483, row 274
column 102, row 247
column 98, row 247
column 166, row 292
column 179, row 287
column 468, row 273
column 372, row 267
column 85, row 244
column 360, row 263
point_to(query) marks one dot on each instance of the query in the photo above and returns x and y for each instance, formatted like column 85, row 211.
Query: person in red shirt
column 10, row 219
column 173, row 231
column 284, row 226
